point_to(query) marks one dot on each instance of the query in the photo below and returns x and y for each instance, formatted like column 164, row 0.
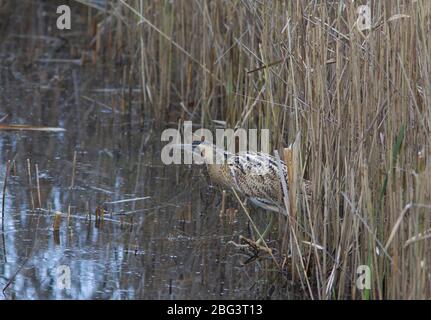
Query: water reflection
column 171, row 245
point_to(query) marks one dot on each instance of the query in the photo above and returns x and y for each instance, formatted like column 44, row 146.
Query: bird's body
column 258, row 176
column 255, row 175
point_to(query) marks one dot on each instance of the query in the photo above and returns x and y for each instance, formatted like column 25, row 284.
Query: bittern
column 258, row 176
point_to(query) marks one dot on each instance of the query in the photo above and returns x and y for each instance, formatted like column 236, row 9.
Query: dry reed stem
column 57, row 221
column 347, row 91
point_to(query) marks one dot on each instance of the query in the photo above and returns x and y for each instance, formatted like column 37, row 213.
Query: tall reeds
column 360, row 97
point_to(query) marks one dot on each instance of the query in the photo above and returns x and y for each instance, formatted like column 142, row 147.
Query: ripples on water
column 170, row 246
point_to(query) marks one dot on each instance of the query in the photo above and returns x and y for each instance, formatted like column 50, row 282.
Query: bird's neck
column 220, row 156
column 217, row 169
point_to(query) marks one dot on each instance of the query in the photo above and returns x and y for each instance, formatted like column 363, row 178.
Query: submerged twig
column 30, row 184
column 38, row 187
column 2, row 209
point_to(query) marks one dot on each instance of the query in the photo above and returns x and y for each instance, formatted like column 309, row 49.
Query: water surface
column 172, row 244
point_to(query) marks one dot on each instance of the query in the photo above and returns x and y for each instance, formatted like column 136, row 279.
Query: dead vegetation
column 358, row 91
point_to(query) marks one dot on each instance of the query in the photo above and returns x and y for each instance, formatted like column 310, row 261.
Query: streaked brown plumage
column 255, row 175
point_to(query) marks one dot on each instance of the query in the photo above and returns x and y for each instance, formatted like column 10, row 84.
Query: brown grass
column 361, row 100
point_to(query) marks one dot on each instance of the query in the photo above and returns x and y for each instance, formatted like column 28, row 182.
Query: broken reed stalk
column 69, row 212
column 72, row 183
column 38, row 187
column 99, row 213
column 2, row 208
column 29, row 183
column 24, row 127
column 14, row 171
column 4, row 191
column 287, row 154
column 57, row 221
column 291, row 158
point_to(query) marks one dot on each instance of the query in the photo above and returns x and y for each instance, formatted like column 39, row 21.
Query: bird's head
column 208, row 152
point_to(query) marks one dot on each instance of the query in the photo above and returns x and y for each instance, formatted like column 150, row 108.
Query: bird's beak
column 195, row 144
column 189, row 147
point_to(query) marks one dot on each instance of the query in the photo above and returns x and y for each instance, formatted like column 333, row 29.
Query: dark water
column 171, row 245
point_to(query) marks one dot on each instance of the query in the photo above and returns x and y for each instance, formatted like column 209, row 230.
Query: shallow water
column 170, row 245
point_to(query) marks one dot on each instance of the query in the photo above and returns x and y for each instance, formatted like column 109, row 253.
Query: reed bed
column 360, row 97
